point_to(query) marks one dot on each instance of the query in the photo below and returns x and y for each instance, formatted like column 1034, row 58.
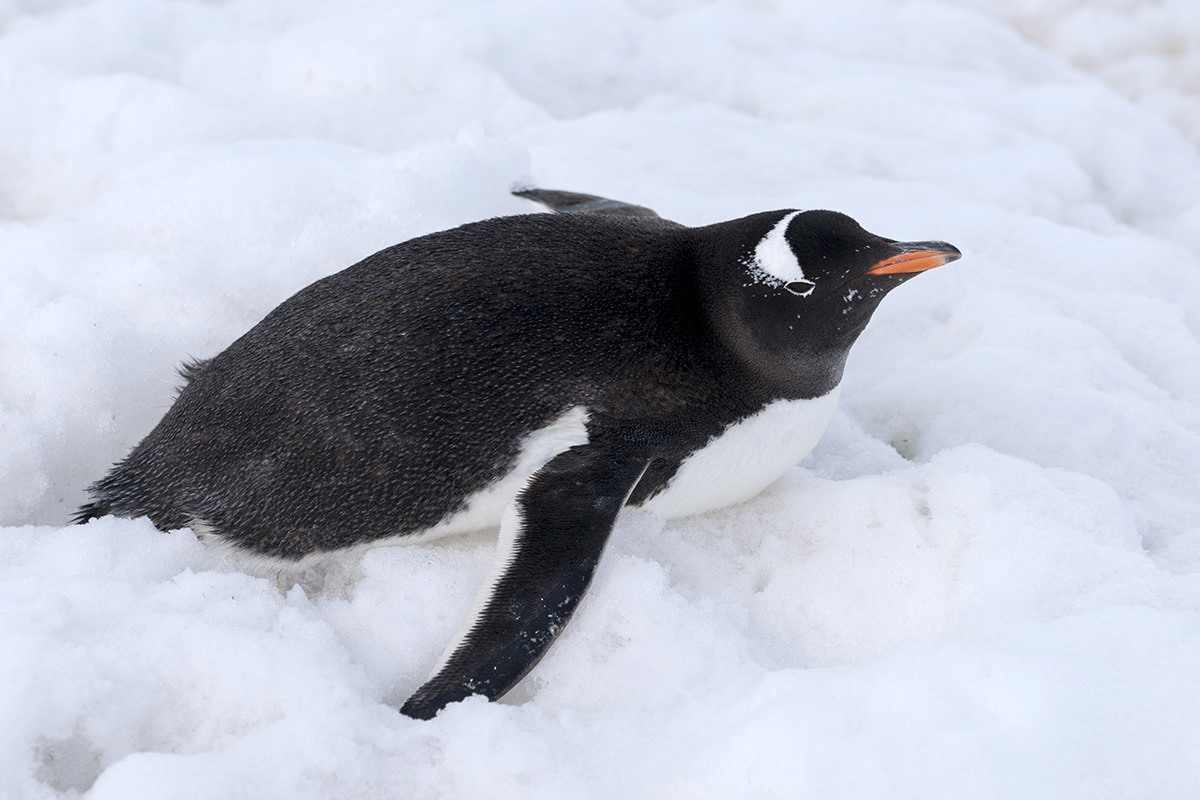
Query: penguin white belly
column 746, row 457
column 485, row 508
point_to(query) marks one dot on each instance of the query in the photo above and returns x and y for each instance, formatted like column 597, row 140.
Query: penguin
column 539, row 372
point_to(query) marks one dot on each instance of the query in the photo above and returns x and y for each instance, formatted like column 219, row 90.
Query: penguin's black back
column 376, row 401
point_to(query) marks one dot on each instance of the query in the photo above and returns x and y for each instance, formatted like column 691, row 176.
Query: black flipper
column 562, row 520
column 576, row 203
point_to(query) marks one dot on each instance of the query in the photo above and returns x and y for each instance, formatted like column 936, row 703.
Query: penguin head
column 807, row 284
column 813, row 255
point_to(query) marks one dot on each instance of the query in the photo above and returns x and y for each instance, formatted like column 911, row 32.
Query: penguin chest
column 746, row 457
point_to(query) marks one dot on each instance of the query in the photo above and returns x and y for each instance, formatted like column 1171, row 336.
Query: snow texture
column 983, row 583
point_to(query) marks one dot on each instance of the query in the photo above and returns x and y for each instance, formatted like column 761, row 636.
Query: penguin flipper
column 555, row 531
column 576, row 203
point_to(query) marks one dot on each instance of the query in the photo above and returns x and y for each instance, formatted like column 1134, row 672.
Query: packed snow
column 983, row 583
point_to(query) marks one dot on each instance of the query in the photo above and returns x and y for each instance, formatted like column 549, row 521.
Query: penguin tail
column 110, row 495
column 90, row 511
column 126, row 492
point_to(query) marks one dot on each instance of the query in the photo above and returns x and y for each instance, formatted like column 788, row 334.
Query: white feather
column 774, row 262
column 485, row 509
column 746, row 457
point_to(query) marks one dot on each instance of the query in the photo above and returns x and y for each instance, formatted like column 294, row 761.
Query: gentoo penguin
column 538, row 371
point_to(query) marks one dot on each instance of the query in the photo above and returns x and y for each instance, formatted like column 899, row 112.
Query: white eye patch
column 775, row 264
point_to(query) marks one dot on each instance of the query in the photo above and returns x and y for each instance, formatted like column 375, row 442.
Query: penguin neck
column 788, row 357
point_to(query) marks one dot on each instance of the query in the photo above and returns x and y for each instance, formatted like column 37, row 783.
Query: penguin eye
column 801, row 288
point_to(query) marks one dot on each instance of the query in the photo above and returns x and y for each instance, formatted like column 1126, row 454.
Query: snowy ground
column 985, row 582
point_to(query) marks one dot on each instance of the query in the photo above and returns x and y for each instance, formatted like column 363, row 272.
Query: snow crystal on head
column 774, row 263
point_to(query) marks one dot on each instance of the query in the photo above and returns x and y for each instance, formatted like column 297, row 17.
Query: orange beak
column 916, row 257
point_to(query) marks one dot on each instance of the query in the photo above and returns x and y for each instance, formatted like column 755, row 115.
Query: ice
column 984, row 582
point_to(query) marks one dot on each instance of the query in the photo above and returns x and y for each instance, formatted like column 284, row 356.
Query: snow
column 984, row 582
